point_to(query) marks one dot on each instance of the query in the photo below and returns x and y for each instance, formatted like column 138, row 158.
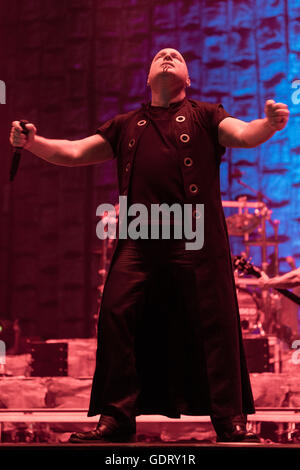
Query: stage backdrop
column 69, row 66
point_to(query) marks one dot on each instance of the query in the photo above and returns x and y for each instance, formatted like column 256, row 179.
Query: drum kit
column 253, row 227
column 104, row 253
column 259, row 310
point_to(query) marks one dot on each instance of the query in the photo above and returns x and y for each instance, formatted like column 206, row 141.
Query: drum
column 249, row 309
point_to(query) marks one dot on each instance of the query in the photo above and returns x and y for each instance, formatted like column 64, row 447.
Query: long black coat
column 195, row 366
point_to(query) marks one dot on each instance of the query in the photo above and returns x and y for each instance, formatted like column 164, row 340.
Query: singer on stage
column 169, row 337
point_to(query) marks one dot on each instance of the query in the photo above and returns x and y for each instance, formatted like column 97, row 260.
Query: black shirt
column 156, row 176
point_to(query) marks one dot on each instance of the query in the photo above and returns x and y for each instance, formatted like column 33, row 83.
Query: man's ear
column 188, row 82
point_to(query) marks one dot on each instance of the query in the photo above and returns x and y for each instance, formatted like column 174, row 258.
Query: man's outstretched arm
column 237, row 133
column 88, row 151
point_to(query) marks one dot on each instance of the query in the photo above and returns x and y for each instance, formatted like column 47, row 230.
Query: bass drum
column 249, row 309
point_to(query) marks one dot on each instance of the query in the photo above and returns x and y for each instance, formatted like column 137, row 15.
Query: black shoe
column 234, row 430
column 107, row 430
column 238, row 435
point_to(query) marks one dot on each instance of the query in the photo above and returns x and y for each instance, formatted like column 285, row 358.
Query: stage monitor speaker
column 257, row 354
column 48, row 359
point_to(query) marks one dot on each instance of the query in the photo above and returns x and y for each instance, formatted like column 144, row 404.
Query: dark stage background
column 70, row 65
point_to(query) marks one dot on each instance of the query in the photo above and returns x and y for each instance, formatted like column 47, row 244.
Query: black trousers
column 197, row 362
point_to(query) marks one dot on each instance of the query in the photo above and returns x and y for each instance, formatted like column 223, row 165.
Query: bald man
column 169, row 337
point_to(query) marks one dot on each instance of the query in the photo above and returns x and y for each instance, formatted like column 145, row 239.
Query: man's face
column 168, row 63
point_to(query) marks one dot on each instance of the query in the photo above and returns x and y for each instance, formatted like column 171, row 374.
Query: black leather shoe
column 234, row 430
column 107, row 430
column 238, row 435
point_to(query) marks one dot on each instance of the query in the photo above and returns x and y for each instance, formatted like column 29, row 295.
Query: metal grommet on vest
column 188, row 161
column 131, row 143
column 127, row 167
column 142, row 122
column 193, row 188
column 196, row 214
column 184, row 138
column 180, row 118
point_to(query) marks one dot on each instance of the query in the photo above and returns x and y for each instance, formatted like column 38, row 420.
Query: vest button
column 188, row 161
column 184, row 138
column 142, row 122
column 131, row 143
column 127, row 166
column 193, row 188
column 180, row 118
column 196, row 214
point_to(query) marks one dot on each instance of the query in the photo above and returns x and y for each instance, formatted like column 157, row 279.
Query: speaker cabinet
column 49, row 359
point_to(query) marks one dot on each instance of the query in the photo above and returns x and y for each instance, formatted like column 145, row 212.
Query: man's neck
column 164, row 98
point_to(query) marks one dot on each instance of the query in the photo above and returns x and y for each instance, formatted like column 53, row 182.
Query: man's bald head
column 168, row 65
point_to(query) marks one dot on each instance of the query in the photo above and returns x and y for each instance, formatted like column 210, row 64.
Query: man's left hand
column 263, row 280
column 277, row 114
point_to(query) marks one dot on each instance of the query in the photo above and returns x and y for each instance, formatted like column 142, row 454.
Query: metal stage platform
column 286, row 419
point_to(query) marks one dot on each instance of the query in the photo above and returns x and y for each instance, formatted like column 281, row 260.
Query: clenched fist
column 277, row 114
column 18, row 138
column 263, row 280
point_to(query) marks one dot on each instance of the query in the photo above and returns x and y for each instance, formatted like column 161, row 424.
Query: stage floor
column 54, row 426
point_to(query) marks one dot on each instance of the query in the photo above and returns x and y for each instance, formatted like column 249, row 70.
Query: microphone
column 17, row 152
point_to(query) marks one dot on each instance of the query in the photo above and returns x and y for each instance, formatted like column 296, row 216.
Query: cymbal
column 270, row 241
column 249, row 197
column 240, row 224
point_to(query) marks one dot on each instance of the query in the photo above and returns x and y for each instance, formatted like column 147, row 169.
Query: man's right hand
column 18, row 139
